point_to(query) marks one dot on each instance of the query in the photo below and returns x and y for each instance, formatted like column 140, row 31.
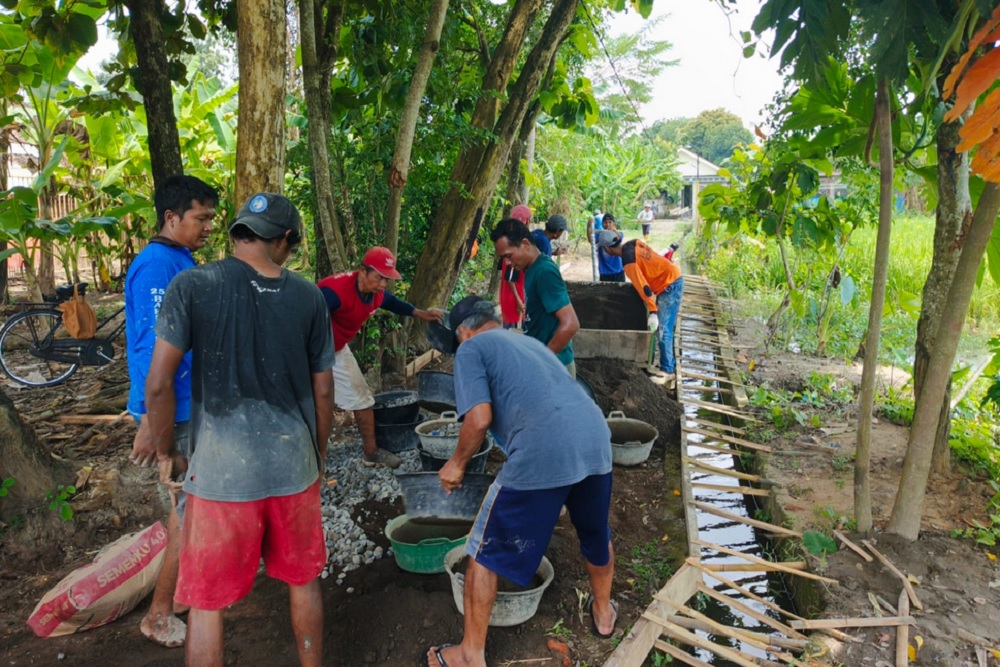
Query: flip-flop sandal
column 437, row 653
column 593, row 620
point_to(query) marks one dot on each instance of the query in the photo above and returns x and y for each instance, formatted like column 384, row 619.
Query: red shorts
column 222, row 544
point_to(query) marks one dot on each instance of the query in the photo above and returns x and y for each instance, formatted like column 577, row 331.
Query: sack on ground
column 79, row 317
column 122, row 575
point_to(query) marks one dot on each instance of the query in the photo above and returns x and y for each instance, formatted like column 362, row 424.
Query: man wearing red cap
column 352, row 298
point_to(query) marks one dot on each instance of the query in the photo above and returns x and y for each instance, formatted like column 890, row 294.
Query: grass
column 649, row 567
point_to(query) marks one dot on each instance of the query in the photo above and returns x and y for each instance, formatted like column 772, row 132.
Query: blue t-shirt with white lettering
column 553, row 433
column 145, row 284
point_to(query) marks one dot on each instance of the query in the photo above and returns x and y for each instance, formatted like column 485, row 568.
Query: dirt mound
column 620, row 385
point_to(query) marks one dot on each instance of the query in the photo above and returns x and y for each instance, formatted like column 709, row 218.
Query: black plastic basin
column 423, row 497
column 396, row 407
column 398, row 437
column 436, row 390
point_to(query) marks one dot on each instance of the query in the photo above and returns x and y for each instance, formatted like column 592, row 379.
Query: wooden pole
column 777, row 566
column 902, row 577
column 763, row 525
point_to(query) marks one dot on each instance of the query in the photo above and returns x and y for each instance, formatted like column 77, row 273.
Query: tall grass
column 753, row 273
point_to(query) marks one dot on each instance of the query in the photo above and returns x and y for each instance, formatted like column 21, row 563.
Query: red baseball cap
column 522, row 213
column 382, row 260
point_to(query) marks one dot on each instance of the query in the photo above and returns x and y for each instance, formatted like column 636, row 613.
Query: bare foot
column 166, row 630
column 447, row 655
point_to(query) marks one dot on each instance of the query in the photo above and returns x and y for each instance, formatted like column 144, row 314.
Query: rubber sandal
column 593, row 621
column 437, row 653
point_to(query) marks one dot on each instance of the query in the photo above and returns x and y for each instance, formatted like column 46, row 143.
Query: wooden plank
column 778, row 566
column 712, row 424
column 745, row 490
column 734, row 441
column 636, row 645
column 895, row 570
column 705, row 390
column 708, row 378
column 753, row 613
column 90, row 419
column 763, row 525
column 720, row 629
column 747, row 477
column 750, row 567
column 903, row 632
column 852, row 546
column 680, row 655
column 417, row 364
column 680, row 634
column 862, row 622
column 695, row 563
column 715, row 407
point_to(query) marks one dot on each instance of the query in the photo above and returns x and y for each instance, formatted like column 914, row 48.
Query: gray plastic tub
column 631, row 439
column 511, row 607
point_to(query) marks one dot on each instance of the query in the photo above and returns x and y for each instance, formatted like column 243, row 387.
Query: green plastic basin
column 421, row 547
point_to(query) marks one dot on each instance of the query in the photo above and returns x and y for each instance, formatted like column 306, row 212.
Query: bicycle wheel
column 25, row 340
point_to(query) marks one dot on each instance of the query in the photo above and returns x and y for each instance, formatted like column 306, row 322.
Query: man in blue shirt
column 610, row 266
column 558, row 453
column 185, row 209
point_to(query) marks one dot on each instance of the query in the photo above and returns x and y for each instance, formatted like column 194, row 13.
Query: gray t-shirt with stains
column 255, row 344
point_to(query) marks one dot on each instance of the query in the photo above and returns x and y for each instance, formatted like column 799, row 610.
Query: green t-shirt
column 544, row 294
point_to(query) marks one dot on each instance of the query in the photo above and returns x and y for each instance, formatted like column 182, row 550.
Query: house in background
column 696, row 172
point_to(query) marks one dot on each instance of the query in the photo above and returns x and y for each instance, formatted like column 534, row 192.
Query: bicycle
column 36, row 350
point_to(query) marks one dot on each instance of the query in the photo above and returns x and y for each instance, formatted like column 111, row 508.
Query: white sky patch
column 711, row 71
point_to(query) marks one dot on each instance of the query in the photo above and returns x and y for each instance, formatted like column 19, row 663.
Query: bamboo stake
column 721, row 471
column 706, row 390
column 678, row 654
column 718, row 628
column 735, row 441
column 751, row 567
column 763, row 525
column 680, row 634
column 862, row 622
column 714, row 448
column 745, row 490
column 753, row 613
column 902, row 577
column 714, row 407
column 709, row 378
column 903, row 632
column 698, row 565
column 753, row 559
column 852, row 546
column 723, row 427
column 781, row 642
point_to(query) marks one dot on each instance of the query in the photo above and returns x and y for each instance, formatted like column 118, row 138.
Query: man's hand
column 429, row 315
column 143, row 451
column 172, row 467
column 451, row 475
column 653, row 322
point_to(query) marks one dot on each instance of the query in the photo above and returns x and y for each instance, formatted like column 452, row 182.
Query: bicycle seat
column 64, row 292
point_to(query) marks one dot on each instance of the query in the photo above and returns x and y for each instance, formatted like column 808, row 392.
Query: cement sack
column 123, row 573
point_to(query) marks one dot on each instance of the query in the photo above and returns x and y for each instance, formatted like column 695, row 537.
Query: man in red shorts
column 511, row 291
column 261, row 412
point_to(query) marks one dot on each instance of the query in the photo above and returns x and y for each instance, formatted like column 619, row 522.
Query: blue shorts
column 513, row 528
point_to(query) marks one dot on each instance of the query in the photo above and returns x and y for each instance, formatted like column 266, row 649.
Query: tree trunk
column 45, row 264
column 153, row 83
column 320, row 36
column 866, row 402
column 529, row 153
column 908, row 507
column 478, row 168
column 954, row 208
column 260, row 139
column 4, row 164
column 23, row 458
column 408, row 123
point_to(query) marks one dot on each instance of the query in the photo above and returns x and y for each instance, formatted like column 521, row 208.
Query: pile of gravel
column 347, row 545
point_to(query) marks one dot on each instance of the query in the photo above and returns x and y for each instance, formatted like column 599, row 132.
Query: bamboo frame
column 852, row 546
column 858, row 622
column 745, row 490
column 731, row 440
column 763, row 525
column 754, row 614
column 747, row 477
column 711, row 424
column 680, row 634
column 693, row 562
column 709, row 378
column 895, row 570
column 778, row 566
column 903, row 632
column 732, row 412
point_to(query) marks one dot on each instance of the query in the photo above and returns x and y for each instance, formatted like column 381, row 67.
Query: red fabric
column 222, row 544
column 347, row 320
column 508, row 304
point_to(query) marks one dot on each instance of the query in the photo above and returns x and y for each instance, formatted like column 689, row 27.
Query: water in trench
column 728, row 533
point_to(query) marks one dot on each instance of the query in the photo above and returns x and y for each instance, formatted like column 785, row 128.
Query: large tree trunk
column 320, row 37
column 866, row 402
column 45, row 261
column 478, row 168
column 153, row 83
column 260, row 139
column 4, row 164
column 408, row 123
column 908, row 507
column 23, row 458
column 954, row 209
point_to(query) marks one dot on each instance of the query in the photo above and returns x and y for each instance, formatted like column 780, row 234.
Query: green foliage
column 986, row 534
column 5, row 486
column 58, row 500
column 649, row 565
column 896, row 405
column 714, row 134
column 560, row 631
column 817, row 543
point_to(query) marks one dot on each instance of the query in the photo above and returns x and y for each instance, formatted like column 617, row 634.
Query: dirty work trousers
column 668, row 302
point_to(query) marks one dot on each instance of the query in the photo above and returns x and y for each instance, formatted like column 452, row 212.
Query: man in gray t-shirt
column 558, row 449
column 261, row 413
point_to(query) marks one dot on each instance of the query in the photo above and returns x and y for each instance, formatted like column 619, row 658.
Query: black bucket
column 396, row 407
column 423, row 497
column 397, row 438
column 436, row 390
column 430, row 463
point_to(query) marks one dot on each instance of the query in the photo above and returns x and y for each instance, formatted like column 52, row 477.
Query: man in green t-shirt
column 549, row 316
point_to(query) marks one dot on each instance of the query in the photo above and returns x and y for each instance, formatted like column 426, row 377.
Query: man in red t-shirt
column 352, row 298
column 511, row 296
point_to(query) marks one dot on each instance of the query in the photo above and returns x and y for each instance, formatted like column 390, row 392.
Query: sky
column 711, row 71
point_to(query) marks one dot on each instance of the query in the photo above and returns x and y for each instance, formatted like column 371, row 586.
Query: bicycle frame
column 96, row 351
